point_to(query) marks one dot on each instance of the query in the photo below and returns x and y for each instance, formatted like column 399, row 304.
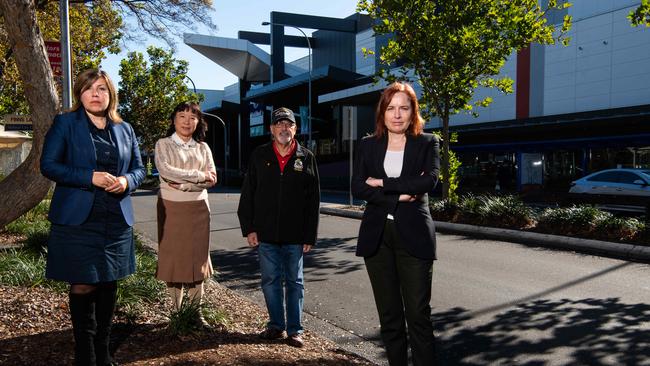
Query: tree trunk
column 445, row 156
column 25, row 187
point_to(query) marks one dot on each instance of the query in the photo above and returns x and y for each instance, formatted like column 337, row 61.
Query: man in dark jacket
column 278, row 213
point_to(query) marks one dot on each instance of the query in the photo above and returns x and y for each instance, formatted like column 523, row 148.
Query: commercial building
column 575, row 109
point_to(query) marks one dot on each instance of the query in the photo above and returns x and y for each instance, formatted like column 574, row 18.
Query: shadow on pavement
column 585, row 332
column 242, row 265
column 238, row 265
column 321, row 262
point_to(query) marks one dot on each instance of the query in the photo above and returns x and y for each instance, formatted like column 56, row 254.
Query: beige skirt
column 183, row 241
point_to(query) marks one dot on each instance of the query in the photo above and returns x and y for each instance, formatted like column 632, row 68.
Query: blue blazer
column 420, row 169
column 69, row 160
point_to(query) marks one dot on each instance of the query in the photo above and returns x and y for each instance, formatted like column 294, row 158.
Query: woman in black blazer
column 394, row 170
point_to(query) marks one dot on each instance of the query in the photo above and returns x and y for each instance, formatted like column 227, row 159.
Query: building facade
column 575, row 109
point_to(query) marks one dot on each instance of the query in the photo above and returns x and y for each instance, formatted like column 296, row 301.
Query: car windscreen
column 646, row 175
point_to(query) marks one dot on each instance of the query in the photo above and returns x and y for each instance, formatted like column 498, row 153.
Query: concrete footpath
column 632, row 252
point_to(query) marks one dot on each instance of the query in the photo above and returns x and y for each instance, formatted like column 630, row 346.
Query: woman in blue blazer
column 94, row 159
column 394, row 170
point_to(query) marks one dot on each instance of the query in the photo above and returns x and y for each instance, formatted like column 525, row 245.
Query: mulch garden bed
column 35, row 329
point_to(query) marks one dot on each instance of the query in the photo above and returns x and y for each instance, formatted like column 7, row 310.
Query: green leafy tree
column 641, row 15
column 454, row 46
column 25, row 74
column 88, row 46
column 149, row 91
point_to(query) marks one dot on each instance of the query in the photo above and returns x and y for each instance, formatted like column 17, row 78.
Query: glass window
column 605, row 177
column 628, row 177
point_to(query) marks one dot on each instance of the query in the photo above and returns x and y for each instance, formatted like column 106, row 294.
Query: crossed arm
column 387, row 192
column 192, row 180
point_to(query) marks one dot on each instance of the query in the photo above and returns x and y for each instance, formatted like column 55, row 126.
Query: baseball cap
column 282, row 113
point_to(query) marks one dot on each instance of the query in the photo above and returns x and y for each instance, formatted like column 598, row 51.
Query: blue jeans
column 280, row 263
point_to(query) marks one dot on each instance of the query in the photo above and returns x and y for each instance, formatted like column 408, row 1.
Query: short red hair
column 417, row 122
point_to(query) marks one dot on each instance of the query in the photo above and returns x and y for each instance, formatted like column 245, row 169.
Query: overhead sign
column 54, row 55
column 16, row 122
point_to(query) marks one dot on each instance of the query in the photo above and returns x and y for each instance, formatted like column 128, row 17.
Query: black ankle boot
column 104, row 309
column 84, row 327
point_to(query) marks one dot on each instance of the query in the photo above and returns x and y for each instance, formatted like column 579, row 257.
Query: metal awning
column 331, row 74
column 239, row 56
column 366, row 93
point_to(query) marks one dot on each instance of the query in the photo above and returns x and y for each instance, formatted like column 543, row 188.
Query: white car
column 619, row 182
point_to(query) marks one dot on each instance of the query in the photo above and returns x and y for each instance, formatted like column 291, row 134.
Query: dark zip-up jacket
column 281, row 207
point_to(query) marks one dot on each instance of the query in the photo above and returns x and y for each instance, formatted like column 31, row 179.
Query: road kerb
column 633, row 252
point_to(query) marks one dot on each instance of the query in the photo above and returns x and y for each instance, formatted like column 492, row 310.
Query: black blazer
column 419, row 176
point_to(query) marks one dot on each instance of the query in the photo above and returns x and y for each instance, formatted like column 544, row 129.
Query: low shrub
column 499, row 211
column 469, row 207
column 33, row 220
column 510, row 212
column 444, row 210
column 186, row 320
column 643, row 235
column 24, row 267
column 574, row 220
column 619, row 228
column 504, row 211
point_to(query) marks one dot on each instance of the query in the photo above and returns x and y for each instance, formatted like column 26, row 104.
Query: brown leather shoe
column 296, row 340
column 272, row 334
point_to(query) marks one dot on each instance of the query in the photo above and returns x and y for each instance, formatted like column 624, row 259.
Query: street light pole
column 225, row 136
column 65, row 54
column 225, row 146
column 310, row 76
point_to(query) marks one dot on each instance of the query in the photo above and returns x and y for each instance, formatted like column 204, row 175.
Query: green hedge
column 510, row 212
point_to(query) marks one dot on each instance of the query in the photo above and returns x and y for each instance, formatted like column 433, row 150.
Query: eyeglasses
column 284, row 124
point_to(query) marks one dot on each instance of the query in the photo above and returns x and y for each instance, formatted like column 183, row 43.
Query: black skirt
column 99, row 250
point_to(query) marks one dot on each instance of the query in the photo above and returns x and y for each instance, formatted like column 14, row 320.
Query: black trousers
column 401, row 285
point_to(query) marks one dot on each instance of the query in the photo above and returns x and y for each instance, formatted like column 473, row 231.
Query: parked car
column 617, row 182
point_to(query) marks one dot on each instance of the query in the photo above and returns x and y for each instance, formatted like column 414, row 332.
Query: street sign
column 54, row 55
column 15, row 122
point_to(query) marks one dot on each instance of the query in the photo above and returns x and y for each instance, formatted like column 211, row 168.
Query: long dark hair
column 194, row 108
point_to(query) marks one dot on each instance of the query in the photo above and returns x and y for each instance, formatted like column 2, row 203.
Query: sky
column 230, row 17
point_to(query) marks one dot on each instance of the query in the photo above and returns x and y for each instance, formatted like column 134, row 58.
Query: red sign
column 54, row 55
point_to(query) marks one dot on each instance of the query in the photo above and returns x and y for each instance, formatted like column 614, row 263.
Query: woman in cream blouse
column 186, row 170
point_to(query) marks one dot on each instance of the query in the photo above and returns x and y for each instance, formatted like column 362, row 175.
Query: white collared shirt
column 185, row 145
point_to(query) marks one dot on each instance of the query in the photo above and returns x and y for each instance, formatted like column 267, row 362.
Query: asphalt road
column 493, row 303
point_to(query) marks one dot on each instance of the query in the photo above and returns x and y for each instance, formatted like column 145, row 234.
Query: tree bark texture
column 25, row 187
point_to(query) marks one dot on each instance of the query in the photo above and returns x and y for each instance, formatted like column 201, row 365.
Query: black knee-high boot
column 104, row 309
column 84, row 327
